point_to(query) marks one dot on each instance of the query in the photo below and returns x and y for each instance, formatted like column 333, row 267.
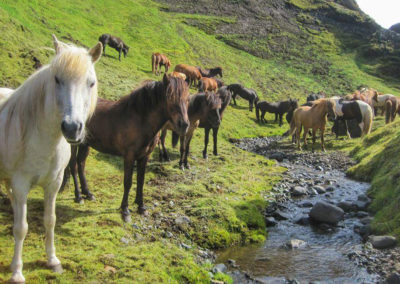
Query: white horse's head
column 75, row 86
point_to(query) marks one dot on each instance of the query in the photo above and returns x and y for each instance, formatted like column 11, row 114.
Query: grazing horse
column 289, row 116
column 358, row 110
column 212, row 72
column 129, row 128
column 314, row 97
column 193, row 75
column 208, row 84
column 158, row 60
column 225, row 97
column 178, row 75
column 380, row 102
column 391, row 106
column 370, row 96
column 245, row 93
column 279, row 109
column 114, row 42
column 37, row 121
column 314, row 117
column 202, row 107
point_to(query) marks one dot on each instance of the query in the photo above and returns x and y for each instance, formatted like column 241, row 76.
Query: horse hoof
column 17, row 278
column 126, row 218
column 215, row 153
column 187, row 166
column 205, row 156
column 79, row 200
column 57, row 268
column 90, row 197
column 143, row 211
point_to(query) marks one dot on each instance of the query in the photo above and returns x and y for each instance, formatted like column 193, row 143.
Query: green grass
column 224, row 196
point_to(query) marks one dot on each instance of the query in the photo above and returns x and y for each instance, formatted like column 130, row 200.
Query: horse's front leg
column 298, row 132
column 83, row 153
column 182, row 151
column 164, row 154
column 276, row 118
column 305, row 137
column 215, row 136
column 129, row 163
column 347, row 129
column 250, row 105
column 234, row 99
column 263, row 117
column 49, row 219
column 280, row 119
column 119, row 51
column 141, row 170
column 206, row 136
column 19, row 192
column 322, row 139
column 314, row 131
column 186, row 153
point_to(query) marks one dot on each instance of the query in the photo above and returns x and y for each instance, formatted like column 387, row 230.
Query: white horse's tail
column 367, row 119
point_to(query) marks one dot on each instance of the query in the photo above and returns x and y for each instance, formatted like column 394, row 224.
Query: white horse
column 5, row 93
column 37, row 121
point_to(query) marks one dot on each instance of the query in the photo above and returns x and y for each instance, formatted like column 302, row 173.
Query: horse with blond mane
column 37, row 123
column 314, row 117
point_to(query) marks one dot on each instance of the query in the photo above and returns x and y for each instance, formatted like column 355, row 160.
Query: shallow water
column 325, row 257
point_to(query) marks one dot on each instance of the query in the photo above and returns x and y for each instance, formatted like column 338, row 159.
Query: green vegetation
column 224, row 196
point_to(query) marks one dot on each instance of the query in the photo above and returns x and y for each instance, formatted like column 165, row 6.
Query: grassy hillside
column 223, row 196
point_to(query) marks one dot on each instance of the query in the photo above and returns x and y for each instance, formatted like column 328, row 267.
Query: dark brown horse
column 212, row 72
column 114, row 42
column 225, row 96
column 391, row 106
column 202, row 107
column 129, row 128
column 158, row 60
column 279, row 109
column 245, row 93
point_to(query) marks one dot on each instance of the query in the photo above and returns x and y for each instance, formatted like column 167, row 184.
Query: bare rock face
column 395, row 28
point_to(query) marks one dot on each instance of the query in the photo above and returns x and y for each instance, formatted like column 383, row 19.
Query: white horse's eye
column 92, row 84
column 58, row 81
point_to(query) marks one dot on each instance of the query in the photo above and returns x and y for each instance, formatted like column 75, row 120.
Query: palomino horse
column 208, row 84
column 202, row 107
column 212, row 72
column 192, row 73
column 359, row 110
column 178, row 75
column 279, row 109
column 46, row 112
column 225, row 97
column 114, row 42
column 245, row 93
column 129, row 128
column 158, row 60
column 312, row 117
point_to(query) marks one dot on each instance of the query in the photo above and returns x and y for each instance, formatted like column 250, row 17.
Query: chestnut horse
column 192, row 73
column 129, row 128
column 208, row 84
column 158, row 60
column 202, row 107
column 225, row 96
column 212, row 72
column 314, row 117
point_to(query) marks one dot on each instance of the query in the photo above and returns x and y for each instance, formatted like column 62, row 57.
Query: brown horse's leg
column 298, row 132
column 206, row 136
column 215, row 136
column 83, row 152
column 186, row 153
column 305, row 137
column 163, row 153
column 129, row 163
column 182, row 151
column 73, row 168
column 322, row 139
column 234, row 98
column 141, row 170
column 314, row 132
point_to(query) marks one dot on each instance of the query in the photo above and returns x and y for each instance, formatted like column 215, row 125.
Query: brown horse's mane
column 320, row 103
column 149, row 94
column 212, row 100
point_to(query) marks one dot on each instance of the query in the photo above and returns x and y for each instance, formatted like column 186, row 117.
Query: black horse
column 114, row 42
column 225, row 96
column 279, row 109
column 314, row 97
column 245, row 93
column 212, row 72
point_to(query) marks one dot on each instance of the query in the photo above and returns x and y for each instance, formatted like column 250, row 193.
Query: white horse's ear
column 95, row 52
column 58, row 45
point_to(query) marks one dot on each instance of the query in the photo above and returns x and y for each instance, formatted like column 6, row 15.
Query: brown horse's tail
column 388, row 107
column 153, row 62
column 257, row 111
column 67, row 174
column 292, row 126
column 175, row 139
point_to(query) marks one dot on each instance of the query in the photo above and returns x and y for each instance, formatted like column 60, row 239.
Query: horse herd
column 49, row 123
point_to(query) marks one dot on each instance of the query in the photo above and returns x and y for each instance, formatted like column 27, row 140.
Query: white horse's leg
column 49, row 218
column 20, row 189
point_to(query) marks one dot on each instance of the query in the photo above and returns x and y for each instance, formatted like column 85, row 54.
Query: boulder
column 382, row 242
column 306, row 204
column 296, row 244
column 219, row 268
column 302, row 220
column 270, row 221
column 279, row 215
column 347, row 206
column 299, row 191
column 279, row 156
column 394, row 278
column 326, row 213
column 320, row 189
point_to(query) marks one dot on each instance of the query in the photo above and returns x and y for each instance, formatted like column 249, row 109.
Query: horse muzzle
column 72, row 131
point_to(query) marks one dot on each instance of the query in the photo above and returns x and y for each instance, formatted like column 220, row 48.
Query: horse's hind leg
column 314, row 132
column 305, row 137
column 20, row 189
column 276, row 118
column 322, row 139
column 186, row 153
column 234, row 99
column 83, row 152
column 263, row 120
column 347, row 129
column 49, row 220
column 141, row 170
column 73, row 169
column 215, row 136
column 129, row 163
column 206, row 136
column 280, row 119
column 163, row 152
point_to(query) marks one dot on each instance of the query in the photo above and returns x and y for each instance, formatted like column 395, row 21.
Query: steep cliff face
column 301, row 31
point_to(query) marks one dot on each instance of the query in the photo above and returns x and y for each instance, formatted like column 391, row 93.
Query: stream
column 324, row 254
